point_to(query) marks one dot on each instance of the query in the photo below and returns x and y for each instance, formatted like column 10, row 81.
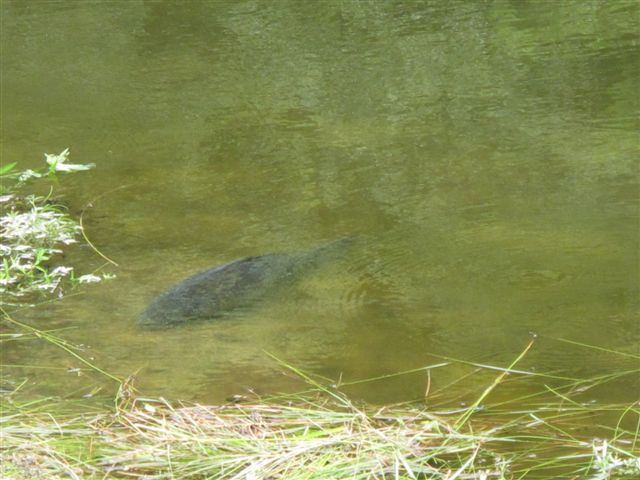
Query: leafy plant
column 34, row 230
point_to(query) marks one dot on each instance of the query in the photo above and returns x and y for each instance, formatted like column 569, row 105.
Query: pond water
column 482, row 155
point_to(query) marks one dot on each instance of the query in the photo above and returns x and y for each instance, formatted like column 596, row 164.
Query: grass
column 322, row 434
column 304, row 440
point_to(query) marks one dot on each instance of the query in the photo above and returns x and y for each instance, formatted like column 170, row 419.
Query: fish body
column 228, row 288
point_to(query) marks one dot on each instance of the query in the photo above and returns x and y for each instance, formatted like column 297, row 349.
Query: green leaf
column 7, row 168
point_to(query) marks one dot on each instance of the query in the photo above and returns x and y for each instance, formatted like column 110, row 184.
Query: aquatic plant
column 33, row 231
column 12, row 179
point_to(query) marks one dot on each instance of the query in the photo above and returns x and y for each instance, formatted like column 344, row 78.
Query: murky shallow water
column 483, row 156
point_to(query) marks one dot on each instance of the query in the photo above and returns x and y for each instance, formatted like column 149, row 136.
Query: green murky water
column 483, row 156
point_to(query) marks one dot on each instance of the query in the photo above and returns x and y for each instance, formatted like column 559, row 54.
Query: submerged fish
column 222, row 290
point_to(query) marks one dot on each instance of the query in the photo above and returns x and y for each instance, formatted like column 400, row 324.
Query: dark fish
column 233, row 286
